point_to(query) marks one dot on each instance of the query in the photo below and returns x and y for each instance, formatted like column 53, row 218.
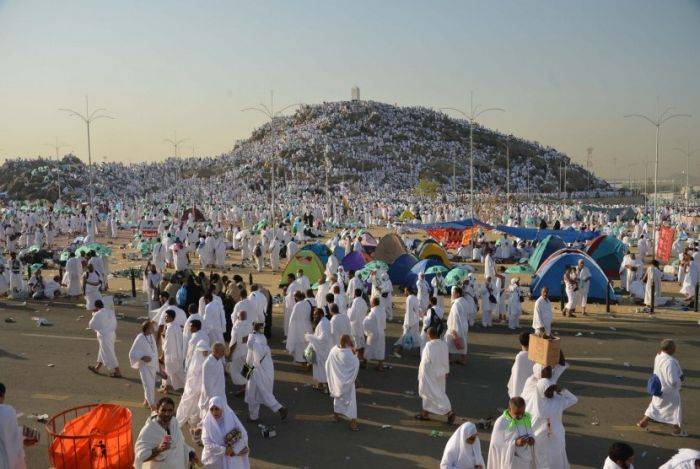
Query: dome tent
column 307, row 261
column 608, row 252
column 544, row 249
column 389, row 248
column 401, row 268
column 551, row 273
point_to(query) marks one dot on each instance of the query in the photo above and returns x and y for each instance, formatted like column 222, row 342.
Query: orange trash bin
column 95, row 436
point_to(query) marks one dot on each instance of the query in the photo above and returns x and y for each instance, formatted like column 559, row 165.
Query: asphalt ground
column 45, row 371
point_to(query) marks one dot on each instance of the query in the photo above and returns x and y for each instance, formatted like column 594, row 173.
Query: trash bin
column 94, row 436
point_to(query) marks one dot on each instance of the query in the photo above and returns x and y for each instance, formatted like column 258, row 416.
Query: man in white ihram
column 213, row 378
column 259, row 389
column 458, row 327
column 666, row 408
column 342, row 367
column 432, row 379
column 542, row 314
column 104, row 323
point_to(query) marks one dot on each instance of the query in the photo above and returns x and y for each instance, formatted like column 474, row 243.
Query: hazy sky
column 566, row 71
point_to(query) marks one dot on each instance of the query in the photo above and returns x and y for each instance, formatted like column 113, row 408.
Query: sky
column 565, row 71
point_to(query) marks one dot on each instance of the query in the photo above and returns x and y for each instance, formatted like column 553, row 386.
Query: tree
column 427, row 187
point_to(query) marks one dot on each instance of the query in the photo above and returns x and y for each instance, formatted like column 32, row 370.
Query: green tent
column 307, row 261
column 544, row 249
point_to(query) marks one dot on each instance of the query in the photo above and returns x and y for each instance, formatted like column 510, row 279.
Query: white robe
column 104, row 323
column 514, row 307
column 239, row 334
column 458, row 325
column 342, row 367
column 548, row 428
column 340, row 326
column 519, row 373
column 145, row 346
column 152, row 435
column 411, row 320
column 667, row 407
column 259, row 389
column 459, row 454
column 174, row 356
column 214, row 322
column 322, row 342
column 542, row 315
column 684, row 459
column 373, row 326
column 11, row 440
column 503, row 454
column 71, row 277
column 299, row 326
column 432, row 379
column 213, row 382
column 357, row 314
column 214, row 438
column 653, row 278
column 188, row 409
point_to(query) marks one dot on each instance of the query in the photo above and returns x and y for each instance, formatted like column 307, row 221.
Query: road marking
column 594, row 359
column 50, row 397
column 51, row 336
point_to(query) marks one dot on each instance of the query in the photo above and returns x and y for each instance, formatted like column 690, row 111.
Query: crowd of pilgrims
column 205, row 329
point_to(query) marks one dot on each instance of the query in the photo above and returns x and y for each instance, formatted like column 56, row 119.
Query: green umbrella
column 100, row 249
column 455, row 276
column 377, row 265
column 436, row 269
column 363, row 274
column 35, row 267
column 65, row 255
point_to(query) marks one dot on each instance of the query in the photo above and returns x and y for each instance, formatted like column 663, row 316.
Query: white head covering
column 459, row 452
column 684, row 459
column 203, row 346
column 215, row 430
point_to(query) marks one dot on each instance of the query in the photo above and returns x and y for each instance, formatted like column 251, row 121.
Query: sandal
column 451, row 418
column 680, row 434
column 93, row 369
column 421, row 417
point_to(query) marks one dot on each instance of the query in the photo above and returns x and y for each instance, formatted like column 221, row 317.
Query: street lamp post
column 688, row 153
column 176, row 143
column 57, row 148
column 658, row 122
column 271, row 114
column 474, row 113
column 88, row 118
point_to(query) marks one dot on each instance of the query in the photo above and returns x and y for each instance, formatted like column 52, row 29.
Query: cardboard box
column 544, row 351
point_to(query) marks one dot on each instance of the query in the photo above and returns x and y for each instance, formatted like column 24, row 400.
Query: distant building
column 355, row 93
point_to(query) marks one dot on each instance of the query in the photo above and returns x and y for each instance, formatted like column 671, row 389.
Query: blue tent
column 400, row 269
column 353, row 261
column 321, row 250
column 339, row 252
column 568, row 236
column 455, row 224
column 551, row 273
column 419, row 267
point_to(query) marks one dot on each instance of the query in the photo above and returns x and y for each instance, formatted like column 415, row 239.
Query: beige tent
column 389, row 248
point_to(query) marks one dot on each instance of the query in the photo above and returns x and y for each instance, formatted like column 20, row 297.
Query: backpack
column 654, row 386
column 440, row 325
column 181, row 296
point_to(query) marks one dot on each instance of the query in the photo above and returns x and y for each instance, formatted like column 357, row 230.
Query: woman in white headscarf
column 224, row 437
column 514, row 307
column 463, row 449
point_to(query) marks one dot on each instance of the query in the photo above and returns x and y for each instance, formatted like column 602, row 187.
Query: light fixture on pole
column 89, row 118
column 271, row 114
column 474, row 113
column 658, row 121
column 57, row 148
column 688, row 153
column 175, row 142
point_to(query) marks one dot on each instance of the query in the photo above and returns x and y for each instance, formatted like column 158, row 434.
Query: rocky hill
column 361, row 142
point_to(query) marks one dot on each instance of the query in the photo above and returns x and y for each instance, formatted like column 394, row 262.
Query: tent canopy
column 551, row 273
column 321, row 250
column 420, row 267
column 568, row 236
column 369, row 242
column 389, row 248
column 307, row 261
column 353, row 261
column 196, row 213
column 401, row 268
column 434, row 251
column 608, row 252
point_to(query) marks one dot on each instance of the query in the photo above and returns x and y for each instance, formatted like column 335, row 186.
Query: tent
column 608, row 252
column 545, row 248
column 551, row 273
column 568, row 236
column 307, row 261
column 407, row 215
column 353, row 261
column 420, row 267
column 339, row 252
column 434, row 251
column 321, row 250
column 389, row 248
column 401, row 268
column 196, row 213
column 369, row 242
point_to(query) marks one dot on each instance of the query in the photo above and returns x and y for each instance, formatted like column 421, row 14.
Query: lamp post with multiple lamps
column 474, row 113
column 89, row 117
column 57, row 148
